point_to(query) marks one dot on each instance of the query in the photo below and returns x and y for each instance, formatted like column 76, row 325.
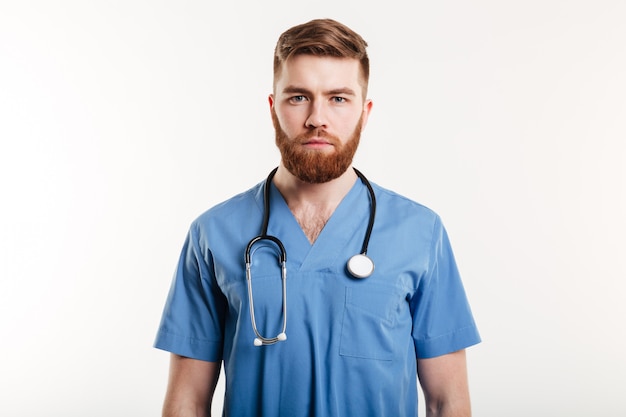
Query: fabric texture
column 351, row 343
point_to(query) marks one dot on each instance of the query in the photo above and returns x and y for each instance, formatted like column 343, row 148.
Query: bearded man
column 359, row 337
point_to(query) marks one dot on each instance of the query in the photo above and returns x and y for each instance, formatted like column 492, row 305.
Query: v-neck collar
column 350, row 217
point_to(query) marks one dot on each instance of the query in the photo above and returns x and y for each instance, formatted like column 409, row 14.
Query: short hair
column 322, row 37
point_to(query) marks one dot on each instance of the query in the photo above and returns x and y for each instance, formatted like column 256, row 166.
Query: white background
column 121, row 121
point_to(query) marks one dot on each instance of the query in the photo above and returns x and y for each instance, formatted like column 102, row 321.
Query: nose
column 316, row 117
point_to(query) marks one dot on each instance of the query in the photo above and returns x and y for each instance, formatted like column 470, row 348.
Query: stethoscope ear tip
column 257, row 341
column 281, row 337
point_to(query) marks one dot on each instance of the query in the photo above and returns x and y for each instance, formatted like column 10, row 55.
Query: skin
column 318, row 93
column 444, row 383
column 190, row 387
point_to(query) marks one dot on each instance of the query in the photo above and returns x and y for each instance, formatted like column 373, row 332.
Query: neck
column 313, row 204
column 297, row 192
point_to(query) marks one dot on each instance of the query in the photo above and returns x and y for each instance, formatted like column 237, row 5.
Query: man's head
column 322, row 38
column 319, row 107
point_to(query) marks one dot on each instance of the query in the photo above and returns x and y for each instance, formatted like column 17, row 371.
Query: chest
column 312, row 219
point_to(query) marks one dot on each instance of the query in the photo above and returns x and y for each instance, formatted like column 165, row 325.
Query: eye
column 298, row 99
column 339, row 99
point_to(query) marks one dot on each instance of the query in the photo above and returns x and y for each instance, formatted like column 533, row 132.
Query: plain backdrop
column 121, row 121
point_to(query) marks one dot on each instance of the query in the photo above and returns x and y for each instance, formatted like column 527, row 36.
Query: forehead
column 315, row 72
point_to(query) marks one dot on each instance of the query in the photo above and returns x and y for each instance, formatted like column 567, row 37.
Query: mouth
column 317, row 143
column 317, row 139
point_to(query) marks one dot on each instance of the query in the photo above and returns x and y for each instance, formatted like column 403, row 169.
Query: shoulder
column 400, row 207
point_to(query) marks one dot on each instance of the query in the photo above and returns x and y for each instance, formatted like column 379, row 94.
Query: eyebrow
column 299, row 90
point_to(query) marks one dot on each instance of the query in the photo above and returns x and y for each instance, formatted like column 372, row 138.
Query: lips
column 317, row 142
column 318, row 138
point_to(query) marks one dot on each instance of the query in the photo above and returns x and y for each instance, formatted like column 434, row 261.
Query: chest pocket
column 371, row 327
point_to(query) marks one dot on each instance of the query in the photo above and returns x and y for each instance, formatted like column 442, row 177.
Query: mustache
column 317, row 133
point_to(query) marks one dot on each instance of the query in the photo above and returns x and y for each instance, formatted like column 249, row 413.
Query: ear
column 270, row 99
column 367, row 109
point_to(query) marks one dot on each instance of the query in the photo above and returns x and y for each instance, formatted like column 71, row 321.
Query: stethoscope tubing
column 370, row 223
column 260, row 339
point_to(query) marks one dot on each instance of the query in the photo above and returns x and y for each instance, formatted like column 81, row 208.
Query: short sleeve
column 442, row 318
column 193, row 317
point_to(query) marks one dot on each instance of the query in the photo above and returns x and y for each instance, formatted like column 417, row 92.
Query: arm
column 190, row 388
column 444, row 383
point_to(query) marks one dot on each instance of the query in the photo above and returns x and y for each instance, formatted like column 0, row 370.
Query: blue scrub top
column 351, row 343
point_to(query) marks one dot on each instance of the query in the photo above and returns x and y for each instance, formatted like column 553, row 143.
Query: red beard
column 310, row 165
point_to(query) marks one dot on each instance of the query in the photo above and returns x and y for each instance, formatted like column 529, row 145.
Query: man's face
column 318, row 111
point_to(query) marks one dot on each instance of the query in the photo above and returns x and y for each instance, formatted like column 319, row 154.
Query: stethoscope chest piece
column 360, row 266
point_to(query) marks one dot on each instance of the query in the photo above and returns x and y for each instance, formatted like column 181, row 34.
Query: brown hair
column 322, row 37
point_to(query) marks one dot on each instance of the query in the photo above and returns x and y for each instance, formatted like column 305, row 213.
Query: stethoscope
column 359, row 266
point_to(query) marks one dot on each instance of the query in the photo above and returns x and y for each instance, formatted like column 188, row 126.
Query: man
column 356, row 340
